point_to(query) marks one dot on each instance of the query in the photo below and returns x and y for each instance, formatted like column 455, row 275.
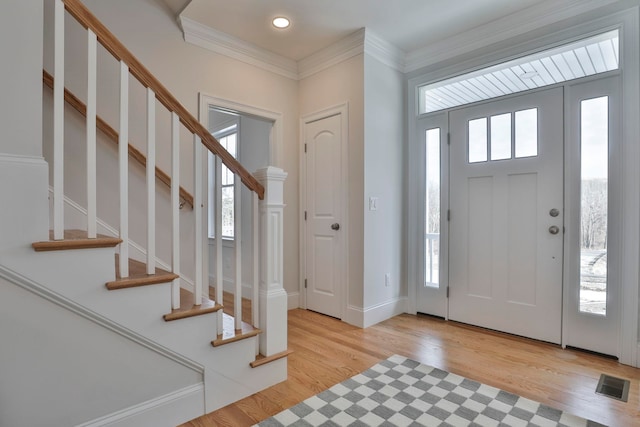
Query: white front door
column 506, row 226
column 324, row 234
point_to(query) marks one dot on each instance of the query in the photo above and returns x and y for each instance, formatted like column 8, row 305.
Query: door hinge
column 305, row 215
column 448, row 214
column 448, row 138
column 305, row 283
column 305, row 148
column 447, row 292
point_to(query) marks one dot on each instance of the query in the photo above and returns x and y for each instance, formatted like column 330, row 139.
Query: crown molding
column 384, row 51
column 224, row 44
column 510, row 26
column 342, row 50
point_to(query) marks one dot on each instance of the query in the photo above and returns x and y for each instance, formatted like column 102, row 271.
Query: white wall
column 20, row 103
column 185, row 70
column 384, row 146
column 47, row 370
column 336, row 85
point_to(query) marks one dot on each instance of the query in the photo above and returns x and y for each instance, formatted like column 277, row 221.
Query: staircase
column 157, row 293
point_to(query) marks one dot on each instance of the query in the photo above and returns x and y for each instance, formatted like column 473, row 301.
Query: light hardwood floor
column 327, row 351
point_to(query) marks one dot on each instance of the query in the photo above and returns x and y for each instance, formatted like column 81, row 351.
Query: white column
column 92, row 72
column 273, row 297
column 175, row 209
column 123, row 161
column 58, row 123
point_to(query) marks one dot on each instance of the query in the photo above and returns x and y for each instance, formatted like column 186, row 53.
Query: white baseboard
column 369, row 316
column 229, row 285
column 293, row 300
column 169, row 410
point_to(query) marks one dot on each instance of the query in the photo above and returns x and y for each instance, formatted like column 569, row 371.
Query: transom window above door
column 503, row 136
column 586, row 57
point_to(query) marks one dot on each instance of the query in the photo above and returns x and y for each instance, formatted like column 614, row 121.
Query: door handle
column 554, row 229
column 335, row 226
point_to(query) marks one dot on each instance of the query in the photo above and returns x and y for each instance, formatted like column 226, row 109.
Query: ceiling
column 407, row 24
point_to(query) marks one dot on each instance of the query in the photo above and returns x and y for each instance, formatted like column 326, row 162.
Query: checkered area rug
column 402, row 392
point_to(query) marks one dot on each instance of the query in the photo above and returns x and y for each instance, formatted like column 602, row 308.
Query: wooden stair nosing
column 132, row 282
column 68, row 242
column 221, row 340
column 263, row 360
column 188, row 308
column 196, row 310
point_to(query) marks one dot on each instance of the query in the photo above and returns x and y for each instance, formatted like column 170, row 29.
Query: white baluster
column 197, row 160
column 255, row 313
column 218, row 231
column 237, row 240
column 151, row 182
column 123, row 159
column 175, row 208
column 92, row 59
column 58, row 123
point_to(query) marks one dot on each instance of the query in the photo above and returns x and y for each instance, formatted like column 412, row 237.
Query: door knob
column 335, row 226
column 554, row 212
column 554, row 229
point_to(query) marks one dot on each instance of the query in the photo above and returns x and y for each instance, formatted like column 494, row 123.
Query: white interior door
column 506, row 226
column 324, row 236
column 594, row 235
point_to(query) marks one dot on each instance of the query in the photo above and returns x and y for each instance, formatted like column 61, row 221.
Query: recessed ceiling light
column 281, row 22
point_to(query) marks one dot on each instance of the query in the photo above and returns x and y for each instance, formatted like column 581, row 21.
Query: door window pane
column 478, row 140
column 501, row 137
column 594, row 171
column 526, row 133
column 432, row 208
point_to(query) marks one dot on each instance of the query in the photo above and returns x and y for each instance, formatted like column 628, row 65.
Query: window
column 593, row 55
column 594, row 171
column 228, row 138
column 503, row 134
column 432, row 208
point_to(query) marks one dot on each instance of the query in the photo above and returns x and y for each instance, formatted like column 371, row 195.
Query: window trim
column 223, row 130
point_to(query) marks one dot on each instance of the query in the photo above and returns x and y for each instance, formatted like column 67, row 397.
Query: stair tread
column 138, row 276
column 263, row 360
column 76, row 239
column 189, row 309
column 230, row 334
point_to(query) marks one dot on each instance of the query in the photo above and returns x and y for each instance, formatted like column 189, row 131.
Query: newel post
column 273, row 297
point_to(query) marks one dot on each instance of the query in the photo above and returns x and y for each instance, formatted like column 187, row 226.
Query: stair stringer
column 80, row 275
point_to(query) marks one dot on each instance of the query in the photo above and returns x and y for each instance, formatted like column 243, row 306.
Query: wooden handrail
column 148, row 80
column 112, row 134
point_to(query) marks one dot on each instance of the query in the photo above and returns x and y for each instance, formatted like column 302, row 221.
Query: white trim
column 630, row 276
column 343, row 111
column 17, row 158
column 173, row 400
column 229, row 285
column 384, row 51
column 233, row 47
column 342, row 50
column 293, row 300
column 276, row 142
column 383, row 311
column 51, row 296
column 526, row 20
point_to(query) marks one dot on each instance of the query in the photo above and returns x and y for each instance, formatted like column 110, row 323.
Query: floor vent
column 615, row 388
